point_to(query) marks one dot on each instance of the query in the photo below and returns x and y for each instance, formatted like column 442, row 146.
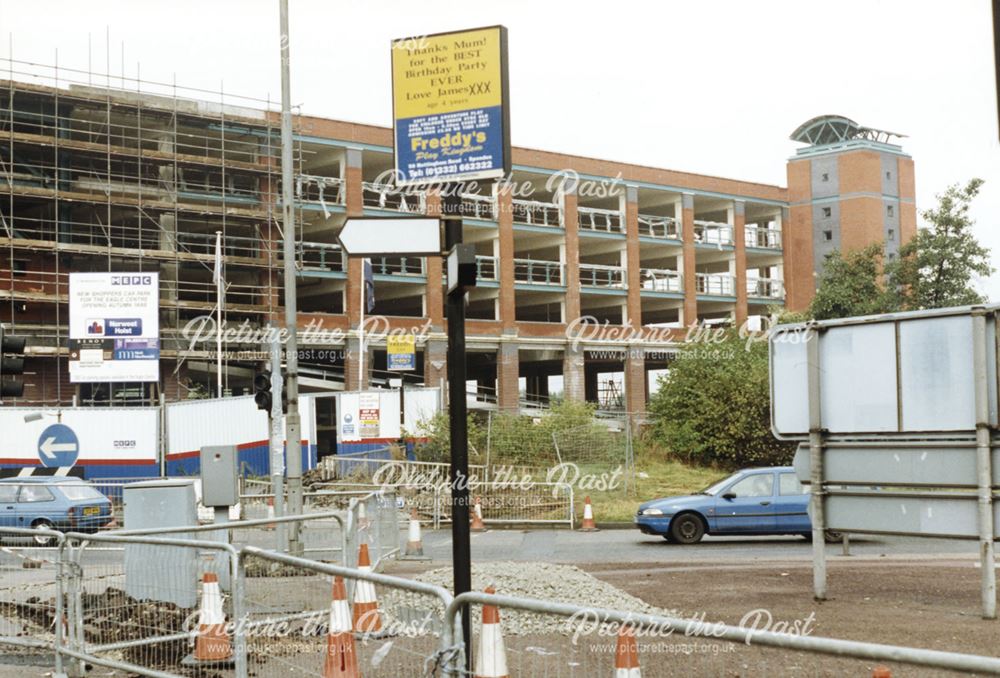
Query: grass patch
column 666, row 477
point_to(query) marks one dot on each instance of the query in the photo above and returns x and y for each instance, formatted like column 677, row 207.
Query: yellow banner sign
column 401, row 352
column 448, row 98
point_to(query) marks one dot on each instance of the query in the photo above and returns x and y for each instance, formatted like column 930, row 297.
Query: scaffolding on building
column 108, row 173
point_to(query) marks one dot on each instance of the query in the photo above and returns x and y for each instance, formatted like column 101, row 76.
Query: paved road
column 625, row 546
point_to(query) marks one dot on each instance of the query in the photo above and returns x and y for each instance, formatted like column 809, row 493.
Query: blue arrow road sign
column 58, row 446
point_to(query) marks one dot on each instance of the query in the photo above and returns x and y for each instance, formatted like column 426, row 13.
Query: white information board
column 906, row 373
column 114, row 327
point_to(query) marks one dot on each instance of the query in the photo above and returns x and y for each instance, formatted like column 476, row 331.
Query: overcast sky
column 708, row 87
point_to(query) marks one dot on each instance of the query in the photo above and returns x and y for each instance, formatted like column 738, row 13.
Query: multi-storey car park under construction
column 135, row 176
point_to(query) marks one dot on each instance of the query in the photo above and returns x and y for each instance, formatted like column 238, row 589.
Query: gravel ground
column 561, row 583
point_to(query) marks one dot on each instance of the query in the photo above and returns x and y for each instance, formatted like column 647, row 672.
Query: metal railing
column 662, row 280
column 406, row 266
column 507, row 503
column 535, row 213
column 538, row 272
column 486, row 268
column 713, row 233
column 766, row 288
column 600, row 275
column 320, row 256
column 595, row 219
column 130, row 603
column 319, row 190
column 594, row 631
column 654, row 226
column 718, row 284
column 475, row 206
column 763, row 237
column 380, row 196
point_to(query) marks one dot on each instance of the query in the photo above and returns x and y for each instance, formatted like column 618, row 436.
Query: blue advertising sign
column 450, row 112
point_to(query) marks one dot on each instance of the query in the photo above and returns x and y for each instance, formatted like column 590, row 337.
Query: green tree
column 937, row 266
column 713, row 407
column 851, row 284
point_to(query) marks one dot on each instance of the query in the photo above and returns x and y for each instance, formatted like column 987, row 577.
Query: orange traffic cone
column 341, row 657
column 491, row 660
column 588, row 524
column 366, row 616
column 627, row 654
column 881, row 672
column 212, row 644
column 414, row 547
column 477, row 523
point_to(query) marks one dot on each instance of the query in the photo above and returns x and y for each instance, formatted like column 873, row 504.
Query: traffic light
column 262, row 393
column 11, row 366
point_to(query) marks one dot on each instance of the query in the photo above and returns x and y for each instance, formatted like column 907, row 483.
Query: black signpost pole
column 451, row 203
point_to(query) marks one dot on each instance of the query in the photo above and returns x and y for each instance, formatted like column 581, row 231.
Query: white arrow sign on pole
column 391, row 236
column 50, row 447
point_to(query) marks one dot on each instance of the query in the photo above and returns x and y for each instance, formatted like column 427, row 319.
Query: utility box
column 219, row 475
column 163, row 573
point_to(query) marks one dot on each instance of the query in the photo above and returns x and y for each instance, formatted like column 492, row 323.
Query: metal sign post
column 896, row 416
column 816, row 462
column 984, row 471
column 459, row 434
column 451, row 124
column 293, row 437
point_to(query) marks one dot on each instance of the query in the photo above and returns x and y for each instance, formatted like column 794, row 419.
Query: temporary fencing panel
column 191, row 425
column 117, row 442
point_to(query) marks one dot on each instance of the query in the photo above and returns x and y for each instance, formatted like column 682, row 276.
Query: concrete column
column 505, row 264
column 572, row 227
column 354, row 208
column 635, row 381
column 738, row 220
column 573, row 375
column 632, row 257
column 434, row 297
column 690, row 310
column 508, row 373
column 436, row 363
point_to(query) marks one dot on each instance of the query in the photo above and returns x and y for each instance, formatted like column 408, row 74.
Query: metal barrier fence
column 546, row 638
column 406, row 636
column 133, row 603
column 508, row 503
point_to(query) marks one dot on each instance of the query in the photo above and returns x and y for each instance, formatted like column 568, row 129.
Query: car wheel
column 43, row 539
column 687, row 528
column 833, row 537
column 667, row 537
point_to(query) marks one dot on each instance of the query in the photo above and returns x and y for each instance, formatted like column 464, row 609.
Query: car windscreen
column 77, row 492
column 716, row 487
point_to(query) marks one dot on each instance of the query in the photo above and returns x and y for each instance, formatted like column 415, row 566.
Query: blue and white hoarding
column 114, row 327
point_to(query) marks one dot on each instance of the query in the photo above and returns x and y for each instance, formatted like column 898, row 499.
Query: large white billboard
column 114, row 327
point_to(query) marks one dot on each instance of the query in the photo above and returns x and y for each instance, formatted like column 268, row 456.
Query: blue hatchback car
column 754, row 501
column 67, row 504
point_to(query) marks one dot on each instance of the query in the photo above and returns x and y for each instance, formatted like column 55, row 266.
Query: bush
column 713, row 408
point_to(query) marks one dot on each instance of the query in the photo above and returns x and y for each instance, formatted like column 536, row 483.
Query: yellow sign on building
column 450, row 117
column 401, row 352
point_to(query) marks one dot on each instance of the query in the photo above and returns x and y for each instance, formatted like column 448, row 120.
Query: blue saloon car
column 67, row 504
column 754, row 501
